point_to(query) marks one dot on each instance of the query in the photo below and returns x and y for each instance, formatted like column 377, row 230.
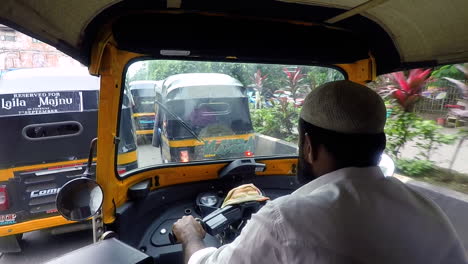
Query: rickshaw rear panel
column 47, row 130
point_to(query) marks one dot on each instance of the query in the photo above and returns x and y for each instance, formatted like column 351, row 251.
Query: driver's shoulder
column 293, row 217
column 292, row 209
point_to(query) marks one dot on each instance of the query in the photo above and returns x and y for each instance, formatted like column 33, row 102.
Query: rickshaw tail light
column 184, row 157
column 3, row 198
column 248, row 153
column 121, row 170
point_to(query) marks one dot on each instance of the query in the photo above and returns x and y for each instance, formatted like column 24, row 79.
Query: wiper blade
column 181, row 121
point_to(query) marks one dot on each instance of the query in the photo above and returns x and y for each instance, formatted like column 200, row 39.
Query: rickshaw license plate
column 146, row 121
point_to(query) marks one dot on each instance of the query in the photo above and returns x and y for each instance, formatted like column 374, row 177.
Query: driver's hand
column 187, row 229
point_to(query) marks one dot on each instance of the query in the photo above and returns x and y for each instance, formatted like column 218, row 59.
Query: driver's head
column 341, row 125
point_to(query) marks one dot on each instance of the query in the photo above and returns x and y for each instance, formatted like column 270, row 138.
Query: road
column 41, row 246
column 148, row 155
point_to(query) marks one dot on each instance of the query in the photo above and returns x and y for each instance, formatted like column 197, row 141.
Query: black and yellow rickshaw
column 143, row 94
column 48, row 117
column 362, row 39
column 203, row 116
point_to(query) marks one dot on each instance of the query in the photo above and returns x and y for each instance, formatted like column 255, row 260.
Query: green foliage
column 429, row 137
column 463, row 132
column 403, row 127
column 279, row 121
column 413, row 167
column 161, row 69
column 399, row 130
column 450, row 71
column 265, row 122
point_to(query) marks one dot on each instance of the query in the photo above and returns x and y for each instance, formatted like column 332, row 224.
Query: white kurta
column 352, row 215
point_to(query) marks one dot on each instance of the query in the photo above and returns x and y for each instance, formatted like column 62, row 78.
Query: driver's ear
column 307, row 148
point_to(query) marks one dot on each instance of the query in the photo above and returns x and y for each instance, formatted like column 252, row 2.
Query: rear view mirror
column 387, row 165
column 79, row 199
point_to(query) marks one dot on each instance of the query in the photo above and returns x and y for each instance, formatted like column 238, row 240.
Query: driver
column 347, row 211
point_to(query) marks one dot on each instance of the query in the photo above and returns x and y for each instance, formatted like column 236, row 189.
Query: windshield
column 202, row 111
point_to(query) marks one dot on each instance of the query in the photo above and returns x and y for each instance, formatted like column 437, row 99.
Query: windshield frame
column 195, row 162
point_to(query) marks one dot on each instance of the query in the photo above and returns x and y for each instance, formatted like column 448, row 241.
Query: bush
column 430, row 137
column 413, row 167
column 279, row 121
column 399, row 130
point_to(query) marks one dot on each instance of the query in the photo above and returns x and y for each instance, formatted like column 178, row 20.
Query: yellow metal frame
column 143, row 114
column 144, row 132
column 194, row 142
column 109, row 62
column 32, row 225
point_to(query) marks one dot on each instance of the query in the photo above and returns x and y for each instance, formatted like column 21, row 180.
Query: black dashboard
column 145, row 224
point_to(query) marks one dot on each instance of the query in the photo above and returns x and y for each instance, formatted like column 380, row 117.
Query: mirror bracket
column 98, row 226
column 139, row 190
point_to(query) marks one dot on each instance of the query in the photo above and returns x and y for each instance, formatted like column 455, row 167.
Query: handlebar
column 173, row 238
column 219, row 220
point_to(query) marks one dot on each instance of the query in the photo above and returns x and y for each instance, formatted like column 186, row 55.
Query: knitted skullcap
column 345, row 107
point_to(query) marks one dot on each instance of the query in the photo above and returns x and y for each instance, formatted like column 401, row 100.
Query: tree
column 312, row 76
column 258, row 80
column 462, row 86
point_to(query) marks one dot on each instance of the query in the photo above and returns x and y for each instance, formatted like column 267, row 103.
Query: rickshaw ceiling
column 397, row 33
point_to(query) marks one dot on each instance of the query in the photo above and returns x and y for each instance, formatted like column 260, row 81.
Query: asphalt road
column 148, row 155
column 41, row 246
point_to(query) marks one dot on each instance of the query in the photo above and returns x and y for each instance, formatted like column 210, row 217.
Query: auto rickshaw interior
column 142, row 205
column 202, row 185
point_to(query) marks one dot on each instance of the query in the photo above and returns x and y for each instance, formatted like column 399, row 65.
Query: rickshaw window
column 203, row 111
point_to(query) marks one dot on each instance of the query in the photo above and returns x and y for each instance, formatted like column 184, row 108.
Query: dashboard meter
column 207, row 202
column 209, row 199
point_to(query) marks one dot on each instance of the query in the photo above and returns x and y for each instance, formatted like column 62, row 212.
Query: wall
column 18, row 50
column 271, row 145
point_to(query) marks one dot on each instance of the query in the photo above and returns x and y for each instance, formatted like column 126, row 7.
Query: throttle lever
column 173, row 238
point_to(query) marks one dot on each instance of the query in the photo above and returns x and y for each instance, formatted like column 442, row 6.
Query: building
column 18, row 50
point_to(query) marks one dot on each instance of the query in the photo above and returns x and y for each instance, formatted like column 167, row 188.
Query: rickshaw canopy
column 201, row 85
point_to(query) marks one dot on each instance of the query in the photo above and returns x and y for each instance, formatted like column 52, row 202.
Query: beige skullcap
column 346, row 107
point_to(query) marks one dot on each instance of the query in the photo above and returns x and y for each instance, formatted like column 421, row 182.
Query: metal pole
column 454, row 157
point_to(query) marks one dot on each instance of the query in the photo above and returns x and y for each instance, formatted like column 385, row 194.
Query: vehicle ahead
column 48, row 118
column 361, row 39
column 144, row 93
column 203, row 116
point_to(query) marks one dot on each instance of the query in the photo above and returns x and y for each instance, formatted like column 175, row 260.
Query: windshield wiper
column 181, row 121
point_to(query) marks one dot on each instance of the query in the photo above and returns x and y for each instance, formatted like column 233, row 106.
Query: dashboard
column 146, row 224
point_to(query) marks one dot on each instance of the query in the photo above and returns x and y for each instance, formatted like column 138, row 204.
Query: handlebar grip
column 173, row 238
